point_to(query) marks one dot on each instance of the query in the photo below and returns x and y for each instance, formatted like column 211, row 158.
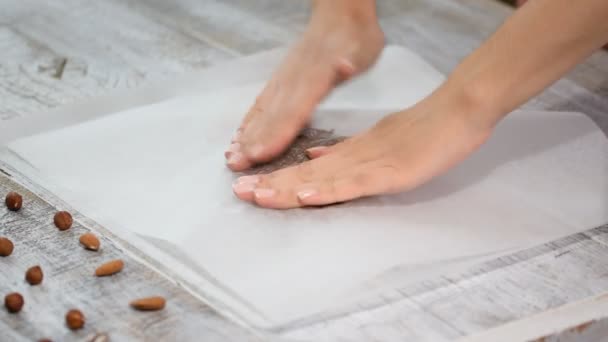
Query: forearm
column 535, row 47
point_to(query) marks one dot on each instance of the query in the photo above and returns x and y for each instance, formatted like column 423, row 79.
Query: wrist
column 475, row 102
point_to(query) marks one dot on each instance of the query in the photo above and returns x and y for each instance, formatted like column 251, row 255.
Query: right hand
column 343, row 39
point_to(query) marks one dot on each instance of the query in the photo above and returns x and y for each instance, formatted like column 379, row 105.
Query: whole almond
column 63, row 220
column 45, row 340
column 74, row 319
column 13, row 201
column 6, row 247
column 148, row 304
column 13, row 302
column 109, row 268
column 34, row 275
column 89, row 241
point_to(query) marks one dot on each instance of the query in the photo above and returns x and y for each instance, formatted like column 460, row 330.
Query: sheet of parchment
column 158, row 171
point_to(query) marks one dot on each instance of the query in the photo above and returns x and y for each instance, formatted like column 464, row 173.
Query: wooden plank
column 101, row 45
column 494, row 293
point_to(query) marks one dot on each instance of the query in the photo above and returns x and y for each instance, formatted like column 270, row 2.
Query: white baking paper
column 158, row 171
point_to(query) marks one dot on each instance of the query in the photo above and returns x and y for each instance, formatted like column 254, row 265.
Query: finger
column 318, row 151
column 244, row 187
column 336, row 189
column 325, row 188
column 235, row 159
column 268, row 133
column 258, row 106
column 355, row 182
column 345, row 69
column 279, row 189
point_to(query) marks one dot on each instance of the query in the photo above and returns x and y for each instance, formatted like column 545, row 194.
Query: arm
column 534, row 47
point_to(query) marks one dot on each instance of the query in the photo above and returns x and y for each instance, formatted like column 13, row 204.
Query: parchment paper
column 157, row 170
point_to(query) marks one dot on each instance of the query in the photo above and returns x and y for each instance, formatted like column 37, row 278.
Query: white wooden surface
column 54, row 52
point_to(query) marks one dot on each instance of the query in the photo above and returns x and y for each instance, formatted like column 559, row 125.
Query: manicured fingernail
column 256, row 150
column 234, row 148
column 264, row 193
column 304, row 194
column 234, row 158
column 315, row 151
column 248, row 180
column 346, row 68
column 241, row 188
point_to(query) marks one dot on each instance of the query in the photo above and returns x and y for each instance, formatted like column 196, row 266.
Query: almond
column 89, row 241
column 13, row 302
column 34, row 275
column 6, row 247
column 148, row 304
column 74, row 319
column 13, row 201
column 63, row 220
column 109, row 268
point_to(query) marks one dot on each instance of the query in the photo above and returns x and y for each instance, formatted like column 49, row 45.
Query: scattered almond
column 148, row 304
column 74, row 319
column 89, row 241
column 13, row 302
column 6, row 247
column 109, row 268
column 13, row 201
column 63, row 220
column 34, row 275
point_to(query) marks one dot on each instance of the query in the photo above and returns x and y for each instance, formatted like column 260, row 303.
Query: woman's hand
column 401, row 152
column 342, row 40
column 535, row 47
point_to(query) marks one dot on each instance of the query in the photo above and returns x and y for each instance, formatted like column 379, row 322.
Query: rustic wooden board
column 69, row 283
column 58, row 52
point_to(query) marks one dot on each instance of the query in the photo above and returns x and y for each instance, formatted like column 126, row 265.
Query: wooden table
column 57, row 52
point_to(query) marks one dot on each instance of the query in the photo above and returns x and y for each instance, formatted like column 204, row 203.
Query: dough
column 296, row 154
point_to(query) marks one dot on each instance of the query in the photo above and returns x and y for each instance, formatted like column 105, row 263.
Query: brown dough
column 296, row 154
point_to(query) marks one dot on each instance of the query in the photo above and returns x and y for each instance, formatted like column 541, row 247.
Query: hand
column 401, row 152
column 343, row 39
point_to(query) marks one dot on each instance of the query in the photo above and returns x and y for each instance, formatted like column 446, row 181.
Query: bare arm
column 536, row 46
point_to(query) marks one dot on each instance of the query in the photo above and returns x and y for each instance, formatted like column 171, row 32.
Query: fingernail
column 248, row 180
column 345, row 67
column 234, row 158
column 264, row 193
column 233, row 148
column 315, row 151
column 240, row 188
column 304, row 194
column 256, row 150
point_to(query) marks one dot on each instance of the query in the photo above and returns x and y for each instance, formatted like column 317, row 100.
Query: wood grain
column 61, row 51
column 69, row 282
